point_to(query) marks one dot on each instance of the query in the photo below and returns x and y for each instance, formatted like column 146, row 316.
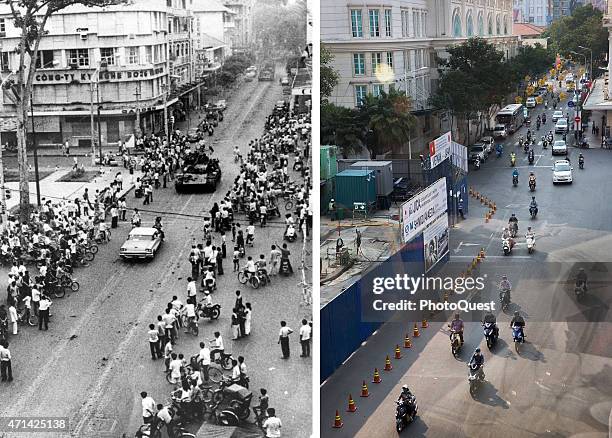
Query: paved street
column 94, row 361
column 561, row 383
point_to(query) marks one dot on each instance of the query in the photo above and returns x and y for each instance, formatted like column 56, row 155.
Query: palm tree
column 342, row 127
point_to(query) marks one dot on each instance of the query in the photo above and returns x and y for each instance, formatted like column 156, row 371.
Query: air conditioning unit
column 131, row 36
column 83, row 35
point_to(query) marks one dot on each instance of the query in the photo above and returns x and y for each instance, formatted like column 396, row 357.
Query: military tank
column 199, row 173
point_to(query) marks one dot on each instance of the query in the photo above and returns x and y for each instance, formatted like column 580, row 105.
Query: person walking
column 12, row 311
column 241, row 321
column 43, row 310
column 235, row 325
column 114, row 216
column 204, row 361
column 6, row 370
column 148, row 408
column 283, row 339
column 460, row 208
column 272, row 425
column 248, row 311
column 154, row 342
column 238, row 302
column 275, row 256
column 305, row 333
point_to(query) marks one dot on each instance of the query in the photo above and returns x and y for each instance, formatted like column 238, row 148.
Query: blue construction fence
column 342, row 328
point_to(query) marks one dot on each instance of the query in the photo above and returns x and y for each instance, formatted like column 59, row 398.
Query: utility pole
column 99, row 129
column 3, row 196
column 35, row 149
column 138, row 94
column 92, row 129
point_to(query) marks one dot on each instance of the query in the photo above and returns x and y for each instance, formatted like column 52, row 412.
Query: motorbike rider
column 456, row 325
column 505, row 286
column 515, row 175
column 531, row 155
column 158, row 225
column 532, row 178
column 513, row 223
column 581, row 278
column 477, row 162
column 489, row 318
column 477, row 359
column 533, row 206
column 530, row 233
column 405, row 395
column 543, row 118
column 580, row 159
column 136, row 220
column 518, row 321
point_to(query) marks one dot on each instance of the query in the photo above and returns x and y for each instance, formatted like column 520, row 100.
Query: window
column 480, row 25
column 456, row 24
column 388, row 22
column 424, row 24
column 377, row 89
column 403, row 23
column 374, row 24
column 418, row 59
column 359, row 64
column 497, row 26
column 390, row 60
column 360, row 94
column 415, row 23
column 45, row 59
column 506, row 25
column 148, row 54
column 376, row 62
column 132, row 53
column 356, row 23
column 108, row 54
column 78, row 57
column 407, row 60
column 4, row 61
column 490, row 26
column 2, row 26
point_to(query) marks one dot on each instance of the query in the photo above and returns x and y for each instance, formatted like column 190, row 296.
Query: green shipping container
column 355, row 185
column 327, row 194
column 329, row 162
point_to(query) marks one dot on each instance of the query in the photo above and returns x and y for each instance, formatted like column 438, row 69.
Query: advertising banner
column 423, row 209
column 435, row 241
column 459, row 156
column 440, row 149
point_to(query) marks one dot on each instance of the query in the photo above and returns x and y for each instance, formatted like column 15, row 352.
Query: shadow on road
column 417, row 429
column 487, row 394
column 529, row 351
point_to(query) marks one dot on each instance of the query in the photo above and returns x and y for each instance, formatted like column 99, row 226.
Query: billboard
column 440, row 149
column 435, row 241
column 423, row 209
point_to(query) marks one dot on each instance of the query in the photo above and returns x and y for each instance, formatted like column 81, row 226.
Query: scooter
column 532, row 185
column 477, row 164
column 513, row 160
column 475, row 378
column 504, row 298
column 514, row 180
column 517, row 336
column 489, row 334
column 455, row 341
column 530, row 244
column 581, row 164
column 506, row 246
column 580, row 290
column 533, row 211
column 531, row 158
column 405, row 413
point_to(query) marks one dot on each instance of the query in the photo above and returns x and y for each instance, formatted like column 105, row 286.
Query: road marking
column 508, row 257
column 464, row 244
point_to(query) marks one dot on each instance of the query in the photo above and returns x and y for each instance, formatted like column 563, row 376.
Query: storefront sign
column 66, row 77
column 423, row 209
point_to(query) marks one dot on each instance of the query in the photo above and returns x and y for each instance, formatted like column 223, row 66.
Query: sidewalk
column 51, row 188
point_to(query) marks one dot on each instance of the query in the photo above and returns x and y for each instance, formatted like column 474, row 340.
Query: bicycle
column 251, row 278
column 26, row 316
column 67, row 282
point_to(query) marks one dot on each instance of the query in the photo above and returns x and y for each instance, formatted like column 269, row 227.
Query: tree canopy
column 329, row 75
column 531, row 61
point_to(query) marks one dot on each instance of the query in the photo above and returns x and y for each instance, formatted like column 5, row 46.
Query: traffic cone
column 388, row 366
column 377, row 378
column 445, row 296
column 415, row 331
column 352, row 407
column 338, row 421
column 482, row 253
column 486, row 218
column 407, row 342
column 424, row 324
column 364, row 390
column 398, row 353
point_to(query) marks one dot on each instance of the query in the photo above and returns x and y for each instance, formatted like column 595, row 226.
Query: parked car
column 500, row 131
column 557, row 115
column 141, row 243
column 562, row 172
column 561, row 126
column 531, row 102
column 477, row 150
column 284, row 82
column 250, row 75
column 489, row 143
column 559, row 148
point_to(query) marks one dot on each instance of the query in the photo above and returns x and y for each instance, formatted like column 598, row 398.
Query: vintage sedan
column 142, row 243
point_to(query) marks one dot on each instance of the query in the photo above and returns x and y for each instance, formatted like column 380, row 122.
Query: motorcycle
column 531, row 158
column 506, row 246
column 475, row 378
column 513, row 160
column 584, row 144
column 543, row 119
column 580, row 289
column 544, row 144
column 405, row 413
column 504, row 298
column 530, row 244
column 489, row 334
column 532, row 185
column 581, row 164
column 211, row 312
column 538, row 125
column 513, row 229
column 455, row 341
column 290, row 235
column 517, row 336
column 514, row 180
column 499, row 150
column 477, row 164
column 533, row 211
column 526, row 147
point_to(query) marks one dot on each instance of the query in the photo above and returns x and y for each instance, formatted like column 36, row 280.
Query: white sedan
column 559, row 148
column 557, row 115
column 142, row 243
column 561, row 126
column 562, row 172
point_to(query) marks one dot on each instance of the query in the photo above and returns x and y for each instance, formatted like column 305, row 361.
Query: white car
column 488, row 142
column 557, row 115
column 559, row 148
column 250, row 75
column 141, row 243
column 500, row 131
column 561, row 126
column 531, row 102
column 562, row 172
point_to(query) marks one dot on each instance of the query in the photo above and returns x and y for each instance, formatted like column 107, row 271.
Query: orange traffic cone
column 398, row 353
column 388, row 366
column 424, row 324
column 377, row 378
column 415, row 331
column 364, row 390
column 407, row 342
column 338, row 421
column 352, row 407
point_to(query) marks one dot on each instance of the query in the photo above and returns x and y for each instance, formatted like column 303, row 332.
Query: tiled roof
column 526, row 29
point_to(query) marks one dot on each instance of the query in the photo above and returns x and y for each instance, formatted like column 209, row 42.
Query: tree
column 342, row 127
column 281, row 27
column 531, row 61
column 329, row 75
column 31, row 17
column 582, row 28
column 389, row 118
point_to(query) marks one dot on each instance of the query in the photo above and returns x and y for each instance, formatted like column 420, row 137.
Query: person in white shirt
column 305, row 332
column 216, row 346
column 204, row 361
column 13, row 317
column 175, row 368
column 148, row 408
column 283, row 339
column 272, row 425
column 163, row 414
column 191, row 287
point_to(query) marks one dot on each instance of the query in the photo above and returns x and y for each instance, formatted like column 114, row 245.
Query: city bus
column 511, row 116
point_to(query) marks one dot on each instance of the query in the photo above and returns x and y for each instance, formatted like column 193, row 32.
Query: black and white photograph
column 156, row 218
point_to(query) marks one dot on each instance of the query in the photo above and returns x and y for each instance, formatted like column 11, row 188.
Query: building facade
column 536, row 12
column 143, row 53
column 214, row 31
column 394, row 45
column 242, row 36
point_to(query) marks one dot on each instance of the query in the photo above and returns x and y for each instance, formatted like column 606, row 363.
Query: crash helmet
column 456, row 316
column 516, row 313
column 405, row 388
column 477, row 350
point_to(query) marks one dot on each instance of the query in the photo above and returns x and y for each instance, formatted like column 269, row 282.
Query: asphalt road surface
column 94, row 361
column 560, row 385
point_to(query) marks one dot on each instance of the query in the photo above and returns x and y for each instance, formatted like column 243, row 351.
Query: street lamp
column 590, row 63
